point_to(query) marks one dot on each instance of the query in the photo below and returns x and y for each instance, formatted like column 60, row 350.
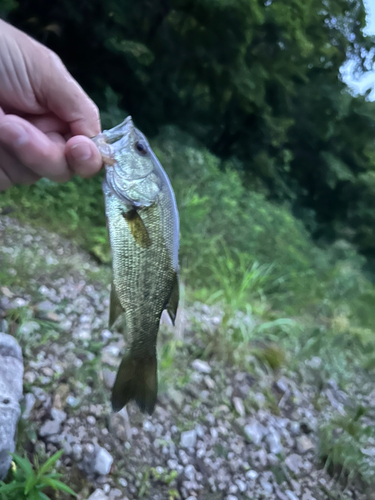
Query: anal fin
column 115, row 307
column 173, row 299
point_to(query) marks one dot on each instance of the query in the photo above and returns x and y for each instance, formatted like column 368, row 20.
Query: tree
column 254, row 80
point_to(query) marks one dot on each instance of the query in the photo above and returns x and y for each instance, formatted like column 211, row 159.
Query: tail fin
column 136, row 379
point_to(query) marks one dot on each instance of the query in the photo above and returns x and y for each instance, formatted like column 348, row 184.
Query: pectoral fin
column 137, row 228
column 173, row 299
column 115, row 308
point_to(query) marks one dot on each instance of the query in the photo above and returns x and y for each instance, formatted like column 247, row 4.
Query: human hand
column 46, row 118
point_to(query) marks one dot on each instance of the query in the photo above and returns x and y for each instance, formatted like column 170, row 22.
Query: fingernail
column 81, row 152
column 13, row 134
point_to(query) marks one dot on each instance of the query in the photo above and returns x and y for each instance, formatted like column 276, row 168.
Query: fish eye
column 141, row 148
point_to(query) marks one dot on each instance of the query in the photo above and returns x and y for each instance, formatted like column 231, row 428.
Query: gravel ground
column 217, row 433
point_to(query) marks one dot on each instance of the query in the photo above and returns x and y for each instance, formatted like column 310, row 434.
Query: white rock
column 11, row 373
column 282, row 384
column 304, row 444
column 241, row 485
column 148, row 426
column 103, row 461
column 255, row 432
column 29, row 327
column 252, row 474
column 58, row 415
column 294, row 463
column 106, row 335
column 188, row 439
column 307, row 496
column 98, row 495
column 370, row 452
column 291, row 495
column 91, row 420
column 109, row 378
column 201, row 366
column 273, row 440
column 49, row 428
column 239, row 406
column 266, row 486
column 190, row 472
column 116, row 493
column 77, row 452
column 30, row 401
column 295, row 428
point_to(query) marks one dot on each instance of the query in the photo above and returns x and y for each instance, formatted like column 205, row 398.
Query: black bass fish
column 143, row 226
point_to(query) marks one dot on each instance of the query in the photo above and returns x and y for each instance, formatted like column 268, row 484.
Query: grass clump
column 346, row 447
column 28, row 482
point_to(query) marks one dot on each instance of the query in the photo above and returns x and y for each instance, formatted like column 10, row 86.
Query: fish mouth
column 124, row 129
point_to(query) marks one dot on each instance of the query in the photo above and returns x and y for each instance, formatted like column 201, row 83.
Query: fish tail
column 136, row 380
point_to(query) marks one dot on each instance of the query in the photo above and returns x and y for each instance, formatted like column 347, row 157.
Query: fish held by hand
column 143, row 227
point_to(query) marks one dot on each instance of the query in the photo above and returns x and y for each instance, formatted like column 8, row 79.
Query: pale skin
column 46, row 119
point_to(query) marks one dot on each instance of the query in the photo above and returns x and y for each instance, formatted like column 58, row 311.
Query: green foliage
column 257, row 81
column 28, row 484
column 344, row 446
column 74, row 209
column 230, row 233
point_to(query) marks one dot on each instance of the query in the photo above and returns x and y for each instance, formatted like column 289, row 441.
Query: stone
column 239, row 406
column 294, row 463
column 52, row 316
column 190, row 472
column 103, row 461
column 273, row 441
column 61, row 395
column 255, row 432
column 241, row 485
column 106, row 335
column 91, row 420
column 304, row 444
column 77, row 452
column 98, row 495
column 109, row 378
column 116, row 493
column 49, row 428
column 291, row 495
column 282, row 384
column 252, row 475
column 148, row 426
column 188, row 439
column 201, row 366
column 176, row 397
column 45, row 306
column 58, row 415
column 30, row 401
column 295, row 428
column 307, row 496
column 11, row 375
column 266, row 486
column 28, row 328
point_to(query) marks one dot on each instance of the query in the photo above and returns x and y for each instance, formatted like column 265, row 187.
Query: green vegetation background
column 271, row 158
